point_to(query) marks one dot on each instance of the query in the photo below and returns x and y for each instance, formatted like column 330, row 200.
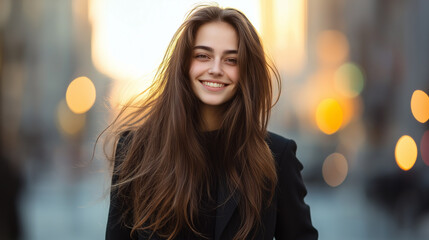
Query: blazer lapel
column 227, row 205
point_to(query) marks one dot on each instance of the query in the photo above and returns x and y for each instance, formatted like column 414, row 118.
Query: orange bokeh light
column 406, row 152
column 329, row 116
column 420, row 106
column 80, row 95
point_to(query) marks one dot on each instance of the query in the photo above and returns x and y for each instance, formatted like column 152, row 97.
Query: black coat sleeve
column 116, row 229
column 293, row 215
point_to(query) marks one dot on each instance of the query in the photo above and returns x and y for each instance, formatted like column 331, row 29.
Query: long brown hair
column 162, row 166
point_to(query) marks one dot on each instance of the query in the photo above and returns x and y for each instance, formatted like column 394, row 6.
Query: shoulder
column 293, row 214
column 283, row 150
column 278, row 144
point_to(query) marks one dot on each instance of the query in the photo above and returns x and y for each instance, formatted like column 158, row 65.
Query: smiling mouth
column 213, row 84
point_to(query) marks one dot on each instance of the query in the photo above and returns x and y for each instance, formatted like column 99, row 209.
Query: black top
column 288, row 217
column 206, row 220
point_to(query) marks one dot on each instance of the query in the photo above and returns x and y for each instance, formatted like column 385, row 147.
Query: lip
column 213, row 89
column 214, row 81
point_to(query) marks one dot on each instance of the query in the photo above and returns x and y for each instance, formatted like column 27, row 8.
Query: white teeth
column 212, row 84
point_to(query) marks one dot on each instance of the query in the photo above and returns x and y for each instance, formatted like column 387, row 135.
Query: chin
column 215, row 102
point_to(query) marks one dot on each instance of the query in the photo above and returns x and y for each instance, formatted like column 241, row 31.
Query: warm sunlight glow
column 284, row 28
column 335, row 169
column 329, row 116
column 420, row 106
column 406, row 152
column 69, row 123
column 123, row 91
column 349, row 80
column 129, row 40
column 332, row 47
column 80, row 95
column 424, row 147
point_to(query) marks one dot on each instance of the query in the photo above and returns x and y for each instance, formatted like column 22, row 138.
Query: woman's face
column 214, row 69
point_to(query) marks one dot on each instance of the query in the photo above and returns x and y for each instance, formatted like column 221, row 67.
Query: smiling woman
column 194, row 159
column 214, row 70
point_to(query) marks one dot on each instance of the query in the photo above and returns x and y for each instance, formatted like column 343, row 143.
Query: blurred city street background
column 355, row 85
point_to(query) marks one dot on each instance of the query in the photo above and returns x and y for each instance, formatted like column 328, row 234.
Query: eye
column 201, row 56
column 232, row 61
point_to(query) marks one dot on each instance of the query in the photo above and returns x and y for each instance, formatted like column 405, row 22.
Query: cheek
column 234, row 75
column 195, row 70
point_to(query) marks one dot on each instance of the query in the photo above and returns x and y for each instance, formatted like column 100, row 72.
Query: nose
column 216, row 68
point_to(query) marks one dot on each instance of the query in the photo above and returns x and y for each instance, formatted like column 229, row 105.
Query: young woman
column 194, row 159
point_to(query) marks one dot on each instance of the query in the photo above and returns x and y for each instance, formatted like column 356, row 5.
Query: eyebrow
column 211, row 49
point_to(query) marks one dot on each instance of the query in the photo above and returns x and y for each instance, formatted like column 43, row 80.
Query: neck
column 211, row 116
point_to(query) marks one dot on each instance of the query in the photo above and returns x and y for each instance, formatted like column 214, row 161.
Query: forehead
column 217, row 35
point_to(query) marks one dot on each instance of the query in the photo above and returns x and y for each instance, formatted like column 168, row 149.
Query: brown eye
column 232, row 61
column 201, row 56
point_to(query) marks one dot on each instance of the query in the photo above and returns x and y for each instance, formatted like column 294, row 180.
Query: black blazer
column 288, row 217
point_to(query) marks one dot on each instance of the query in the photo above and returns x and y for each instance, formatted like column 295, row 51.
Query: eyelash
column 205, row 57
column 231, row 60
column 201, row 56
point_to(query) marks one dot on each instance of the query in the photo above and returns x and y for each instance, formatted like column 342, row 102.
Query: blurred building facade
column 59, row 193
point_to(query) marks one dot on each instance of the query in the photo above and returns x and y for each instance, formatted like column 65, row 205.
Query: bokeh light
column 329, row 116
column 349, row 80
column 335, row 169
column 318, row 87
column 420, row 106
column 69, row 123
column 332, row 47
column 80, row 95
column 352, row 109
column 406, row 152
column 310, row 99
column 424, row 147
